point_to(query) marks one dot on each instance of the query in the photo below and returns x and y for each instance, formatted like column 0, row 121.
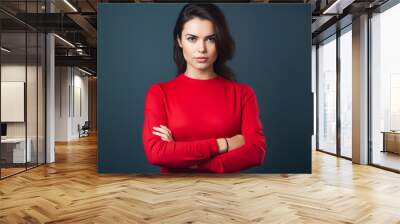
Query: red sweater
column 198, row 112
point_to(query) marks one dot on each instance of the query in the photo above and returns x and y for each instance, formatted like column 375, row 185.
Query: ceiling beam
column 84, row 61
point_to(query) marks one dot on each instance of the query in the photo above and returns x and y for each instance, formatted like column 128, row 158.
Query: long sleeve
column 252, row 153
column 173, row 154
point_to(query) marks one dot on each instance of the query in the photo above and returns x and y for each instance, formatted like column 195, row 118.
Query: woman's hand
column 222, row 146
column 164, row 133
column 235, row 142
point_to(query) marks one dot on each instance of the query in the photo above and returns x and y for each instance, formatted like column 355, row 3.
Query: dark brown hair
column 224, row 43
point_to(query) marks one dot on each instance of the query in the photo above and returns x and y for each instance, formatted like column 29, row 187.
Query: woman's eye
column 191, row 39
column 212, row 39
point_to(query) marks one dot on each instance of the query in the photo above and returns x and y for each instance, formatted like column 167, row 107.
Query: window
column 385, row 88
column 327, row 95
column 346, row 92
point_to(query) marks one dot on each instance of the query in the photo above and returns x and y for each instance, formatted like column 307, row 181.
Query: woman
column 202, row 121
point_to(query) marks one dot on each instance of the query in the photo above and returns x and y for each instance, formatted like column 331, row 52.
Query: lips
column 201, row 59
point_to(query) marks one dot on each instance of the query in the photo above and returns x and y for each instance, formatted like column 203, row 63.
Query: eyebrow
column 212, row 35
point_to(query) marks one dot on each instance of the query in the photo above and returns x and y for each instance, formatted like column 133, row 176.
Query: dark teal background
column 273, row 55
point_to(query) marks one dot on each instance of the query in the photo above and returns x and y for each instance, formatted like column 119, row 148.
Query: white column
column 360, row 90
column 50, row 92
column 63, row 99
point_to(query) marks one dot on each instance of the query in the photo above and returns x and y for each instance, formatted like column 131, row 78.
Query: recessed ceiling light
column 84, row 71
column 5, row 49
column 70, row 5
column 337, row 7
column 64, row 40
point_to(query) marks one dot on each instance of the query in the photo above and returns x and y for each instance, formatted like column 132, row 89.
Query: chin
column 202, row 66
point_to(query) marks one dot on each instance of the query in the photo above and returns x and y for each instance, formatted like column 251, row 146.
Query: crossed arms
column 206, row 154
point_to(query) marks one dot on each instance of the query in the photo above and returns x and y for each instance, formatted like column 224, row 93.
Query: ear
column 179, row 41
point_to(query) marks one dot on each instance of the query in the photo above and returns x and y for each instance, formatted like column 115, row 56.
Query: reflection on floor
column 386, row 159
column 11, row 169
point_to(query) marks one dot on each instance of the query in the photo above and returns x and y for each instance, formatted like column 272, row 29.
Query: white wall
column 62, row 81
column 16, row 72
column 79, row 117
column 71, row 93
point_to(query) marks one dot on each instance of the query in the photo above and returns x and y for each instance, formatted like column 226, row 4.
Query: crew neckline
column 185, row 76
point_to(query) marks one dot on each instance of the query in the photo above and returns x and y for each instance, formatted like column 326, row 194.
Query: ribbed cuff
column 214, row 148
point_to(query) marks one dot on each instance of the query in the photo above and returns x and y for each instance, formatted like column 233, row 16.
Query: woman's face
column 198, row 44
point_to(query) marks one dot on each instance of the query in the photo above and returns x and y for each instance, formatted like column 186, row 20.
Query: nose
column 202, row 47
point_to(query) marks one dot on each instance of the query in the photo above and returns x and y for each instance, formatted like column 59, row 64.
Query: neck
column 200, row 74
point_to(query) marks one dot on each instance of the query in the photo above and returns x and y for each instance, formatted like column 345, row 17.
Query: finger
column 167, row 135
column 166, row 128
column 163, row 136
column 162, row 130
column 165, row 139
column 159, row 134
column 165, row 131
column 168, row 138
column 163, row 126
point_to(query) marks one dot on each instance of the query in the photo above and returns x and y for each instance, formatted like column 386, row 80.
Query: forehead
column 198, row 27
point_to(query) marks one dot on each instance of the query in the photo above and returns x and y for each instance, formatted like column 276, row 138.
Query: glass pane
column 31, row 101
column 327, row 96
column 23, row 84
column 13, row 86
column 41, row 98
column 31, row 84
column 346, row 94
column 386, row 88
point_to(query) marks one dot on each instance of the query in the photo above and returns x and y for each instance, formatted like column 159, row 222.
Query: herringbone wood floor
column 70, row 191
